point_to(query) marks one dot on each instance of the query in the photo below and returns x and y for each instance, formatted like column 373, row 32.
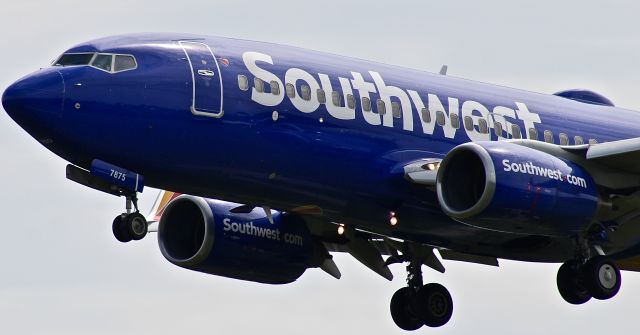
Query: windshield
column 74, row 59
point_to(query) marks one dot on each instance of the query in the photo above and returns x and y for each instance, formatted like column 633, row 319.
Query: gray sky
column 63, row 272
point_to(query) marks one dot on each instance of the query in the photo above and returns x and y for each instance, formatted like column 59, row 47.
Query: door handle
column 206, row 73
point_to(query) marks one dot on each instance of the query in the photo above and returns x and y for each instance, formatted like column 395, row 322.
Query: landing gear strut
column 418, row 305
column 585, row 278
column 130, row 225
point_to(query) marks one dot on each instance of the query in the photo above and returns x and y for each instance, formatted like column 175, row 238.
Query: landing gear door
column 207, row 79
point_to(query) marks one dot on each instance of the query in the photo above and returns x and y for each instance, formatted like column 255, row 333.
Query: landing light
column 393, row 220
column 431, row 166
column 341, row 229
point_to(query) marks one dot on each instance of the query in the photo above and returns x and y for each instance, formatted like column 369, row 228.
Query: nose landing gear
column 130, row 225
column 420, row 305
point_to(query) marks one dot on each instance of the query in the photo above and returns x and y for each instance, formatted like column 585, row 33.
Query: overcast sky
column 64, row 273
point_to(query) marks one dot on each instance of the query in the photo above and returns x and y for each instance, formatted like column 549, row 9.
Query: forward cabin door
column 207, row 79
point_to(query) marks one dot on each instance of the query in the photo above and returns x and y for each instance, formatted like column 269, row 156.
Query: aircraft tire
column 119, row 232
column 136, row 226
column 401, row 310
column 570, row 284
column 602, row 277
column 435, row 305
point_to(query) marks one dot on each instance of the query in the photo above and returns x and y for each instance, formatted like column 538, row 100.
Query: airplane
column 274, row 157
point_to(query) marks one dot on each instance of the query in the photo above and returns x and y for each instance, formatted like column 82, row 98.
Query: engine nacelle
column 506, row 187
column 203, row 235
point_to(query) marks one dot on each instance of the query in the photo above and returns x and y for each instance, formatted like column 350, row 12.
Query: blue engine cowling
column 507, row 187
column 203, row 235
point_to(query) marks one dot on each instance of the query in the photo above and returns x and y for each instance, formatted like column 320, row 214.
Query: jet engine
column 507, row 187
column 204, row 235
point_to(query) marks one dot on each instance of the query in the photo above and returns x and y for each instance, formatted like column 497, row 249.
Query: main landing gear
column 585, row 278
column 130, row 225
column 420, row 305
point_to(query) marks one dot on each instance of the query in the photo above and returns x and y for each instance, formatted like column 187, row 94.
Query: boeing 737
column 274, row 157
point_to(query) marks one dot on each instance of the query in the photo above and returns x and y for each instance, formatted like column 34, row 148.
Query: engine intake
column 506, row 187
column 184, row 233
column 203, row 235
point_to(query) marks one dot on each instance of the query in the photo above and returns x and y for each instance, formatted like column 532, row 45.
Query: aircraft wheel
column 137, row 226
column 401, row 310
column 118, row 227
column 571, row 285
column 602, row 277
column 435, row 305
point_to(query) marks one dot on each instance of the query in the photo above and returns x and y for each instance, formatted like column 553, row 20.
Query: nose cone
column 35, row 101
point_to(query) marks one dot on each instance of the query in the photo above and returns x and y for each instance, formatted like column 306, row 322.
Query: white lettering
column 386, row 93
column 339, row 112
column 427, row 127
column 435, row 106
column 532, row 169
column 306, row 106
column 530, row 119
column 263, row 98
column 468, row 109
column 364, row 88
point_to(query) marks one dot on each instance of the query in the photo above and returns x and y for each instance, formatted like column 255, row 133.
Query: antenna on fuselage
column 443, row 70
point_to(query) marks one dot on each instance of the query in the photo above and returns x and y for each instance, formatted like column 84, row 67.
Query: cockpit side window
column 102, row 62
column 124, row 63
column 108, row 62
column 73, row 59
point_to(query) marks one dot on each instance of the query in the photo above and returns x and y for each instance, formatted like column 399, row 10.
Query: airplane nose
column 35, row 100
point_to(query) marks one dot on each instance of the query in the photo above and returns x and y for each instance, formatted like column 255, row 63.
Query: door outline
column 194, row 110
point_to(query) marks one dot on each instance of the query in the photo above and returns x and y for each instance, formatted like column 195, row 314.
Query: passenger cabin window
column 243, row 82
column 305, row 92
column 548, row 136
column 275, row 87
column 366, row 104
column 72, row 59
column 380, row 107
column 395, row 110
column 291, row 91
column 336, row 98
column 533, row 134
column 468, row 123
column 578, row 140
column 351, row 101
column 497, row 128
column 483, row 126
column 515, row 132
column 440, row 120
column 258, row 84
column 322, row 98
column 455, row 121
column 124, row 63
column 564, row 139
column 426, row 115
column 103, row 62
column 593, row 141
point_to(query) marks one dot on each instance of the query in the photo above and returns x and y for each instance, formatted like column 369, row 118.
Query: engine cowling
column 507, row 187
column 203, row 235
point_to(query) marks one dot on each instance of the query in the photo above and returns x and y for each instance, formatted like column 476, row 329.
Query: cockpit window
column 72, row 59
column 103, row 62
column 107, row 62
column 124, row 63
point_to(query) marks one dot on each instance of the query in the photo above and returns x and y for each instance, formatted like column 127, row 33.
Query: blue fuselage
column 198, row 123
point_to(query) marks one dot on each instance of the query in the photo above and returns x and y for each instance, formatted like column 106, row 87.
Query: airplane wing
column 365, row 247
column 614, row 166
column 623, row 155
